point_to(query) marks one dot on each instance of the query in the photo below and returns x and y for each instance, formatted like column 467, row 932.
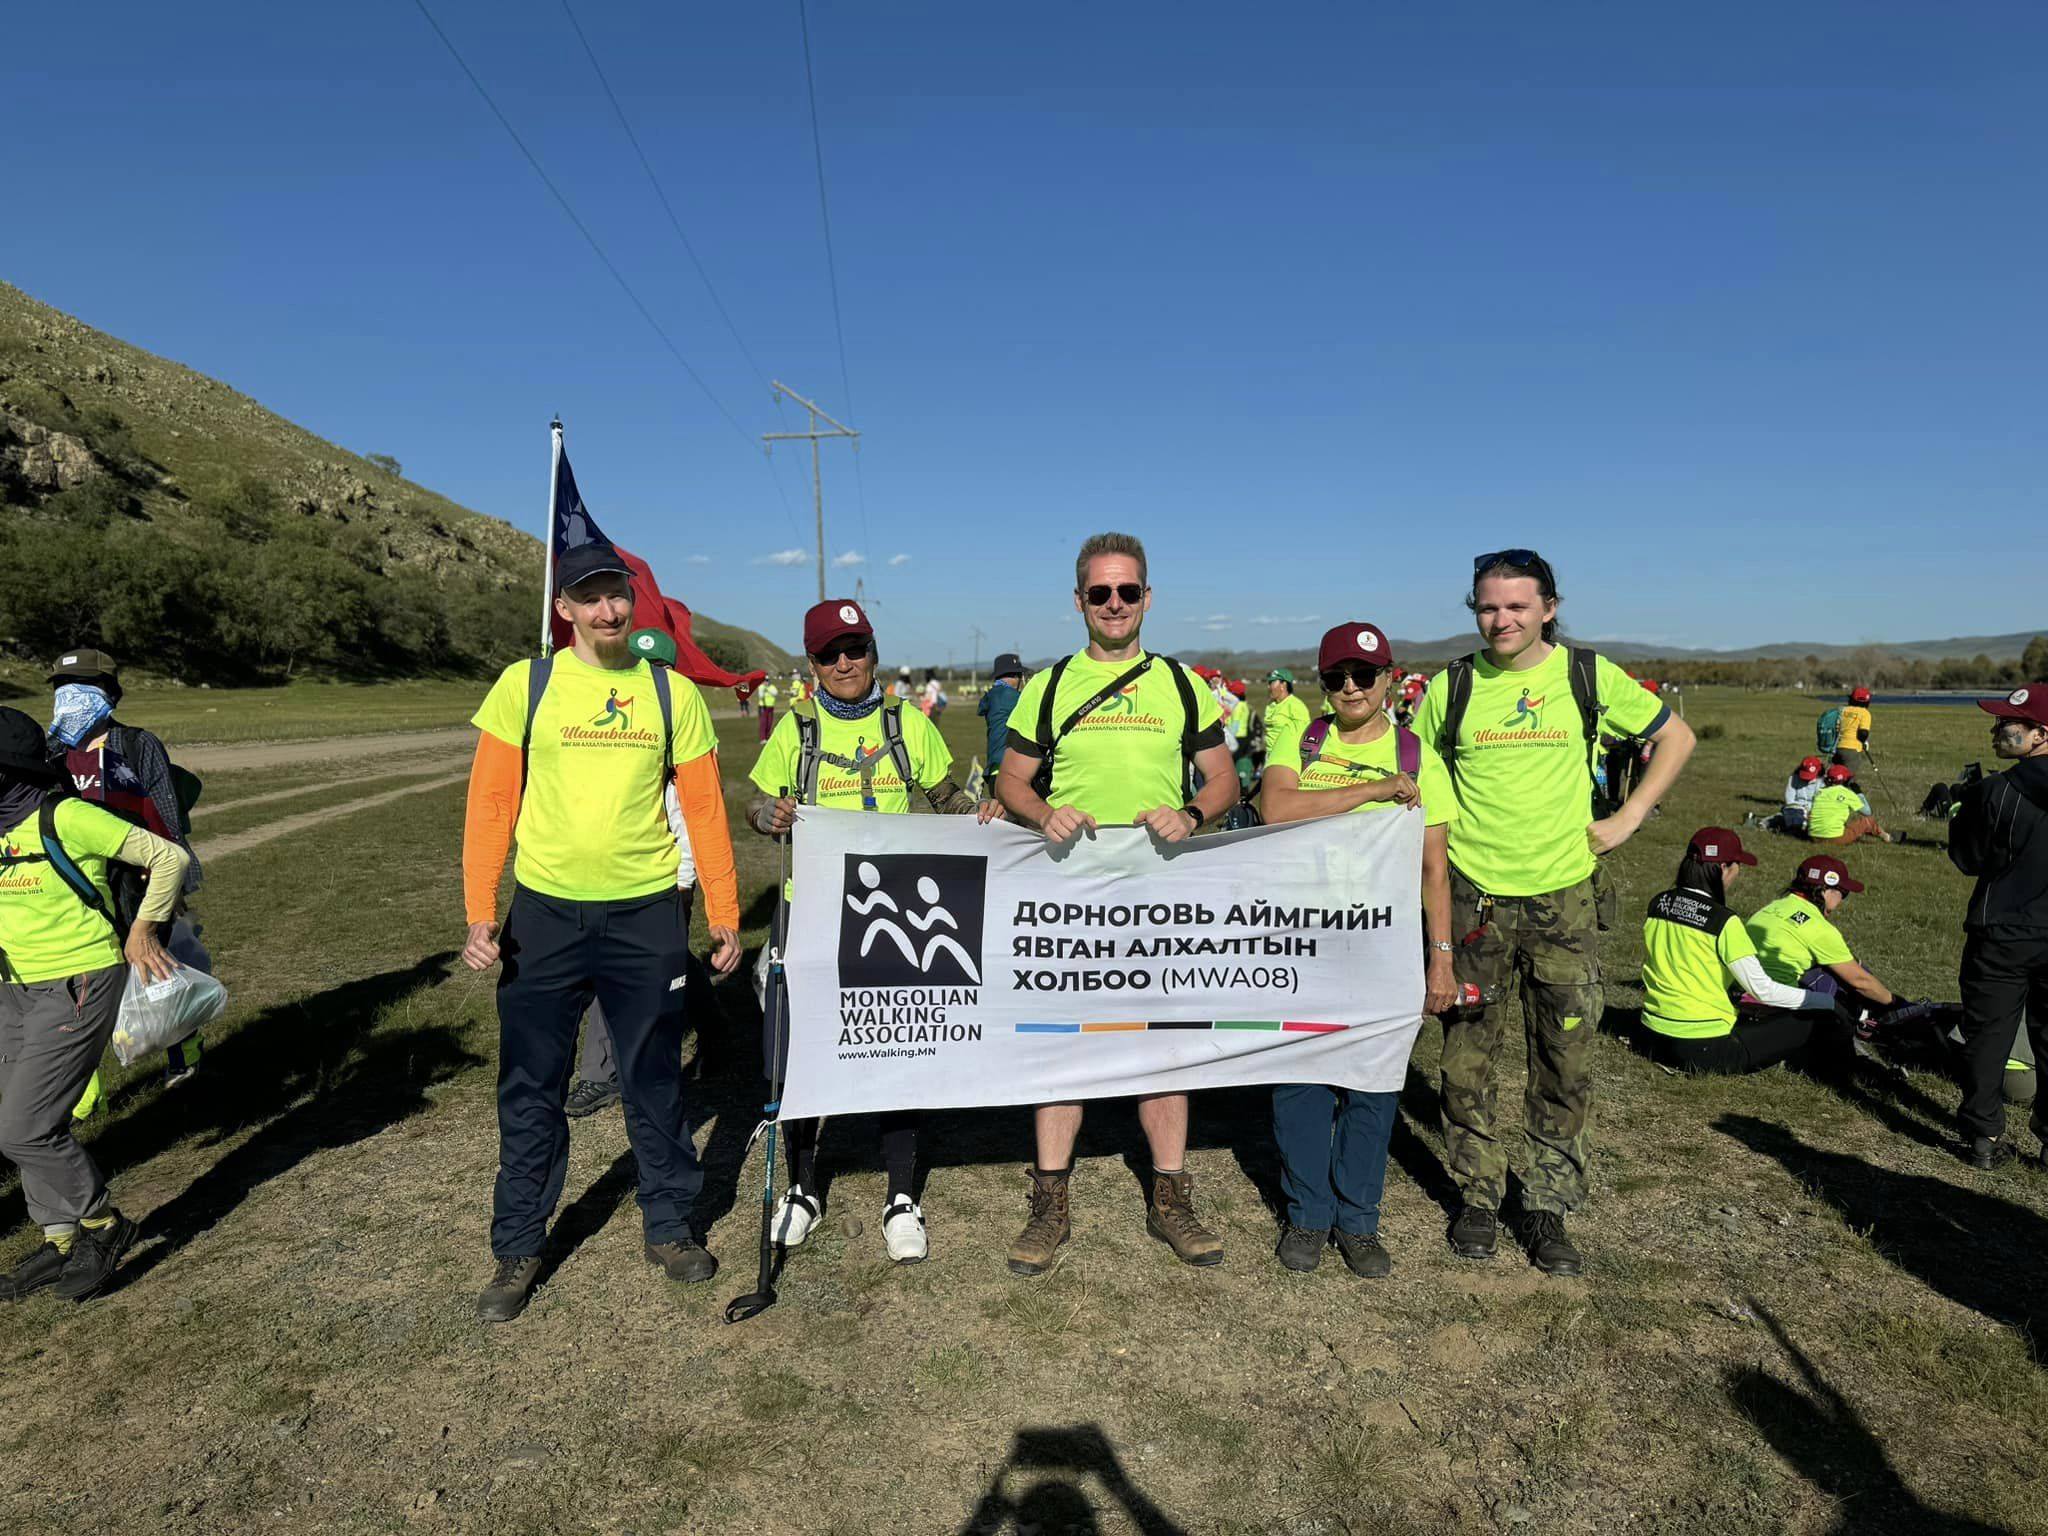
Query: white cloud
column 1287, row 618
column 846, row 561
column 698, row 560
column 784, row 557
column 1215, row 622
column 899, row 559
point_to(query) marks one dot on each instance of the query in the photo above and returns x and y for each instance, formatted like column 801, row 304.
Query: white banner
column 934, row 963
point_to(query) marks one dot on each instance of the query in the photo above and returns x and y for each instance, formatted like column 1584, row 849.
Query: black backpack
column 1041, row 781
column 543, row 668
column 809, row 753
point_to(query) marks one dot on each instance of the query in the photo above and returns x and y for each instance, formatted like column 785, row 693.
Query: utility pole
column 813, row 437
column 974, row 677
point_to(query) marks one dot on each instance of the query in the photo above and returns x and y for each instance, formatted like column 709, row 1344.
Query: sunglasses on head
column 1129, row 591
column 1363, row 676
column 840, row 649
column 1528, row 559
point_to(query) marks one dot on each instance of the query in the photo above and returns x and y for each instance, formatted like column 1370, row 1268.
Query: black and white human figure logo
column 912, row 920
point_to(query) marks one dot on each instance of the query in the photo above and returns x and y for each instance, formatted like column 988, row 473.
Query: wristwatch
column 1196, row 812
column 1444, row 945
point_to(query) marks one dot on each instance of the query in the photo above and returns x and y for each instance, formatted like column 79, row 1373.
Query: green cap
column 652, row 645
column 1279, row 675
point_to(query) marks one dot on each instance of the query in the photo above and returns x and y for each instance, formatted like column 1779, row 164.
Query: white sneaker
column 795, row 1214
column 903, row 1230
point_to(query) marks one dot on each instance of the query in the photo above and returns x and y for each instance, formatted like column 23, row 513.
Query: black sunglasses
column 1527, row 558
column 1365, row 677
column 832, row 653
column 1129, row 591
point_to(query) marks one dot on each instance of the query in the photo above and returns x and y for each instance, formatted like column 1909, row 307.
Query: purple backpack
column 1407, row 746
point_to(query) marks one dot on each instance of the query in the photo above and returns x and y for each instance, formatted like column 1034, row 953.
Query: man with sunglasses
column 1118, row 728
column 848, row 748
column 1517, row 724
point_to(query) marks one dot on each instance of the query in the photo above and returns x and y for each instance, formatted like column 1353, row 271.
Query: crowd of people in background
column 1528, row 761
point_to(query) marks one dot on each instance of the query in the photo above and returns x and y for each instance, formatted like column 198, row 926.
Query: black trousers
column 1758, row 1040
column 559, row 956
column 2005, row 978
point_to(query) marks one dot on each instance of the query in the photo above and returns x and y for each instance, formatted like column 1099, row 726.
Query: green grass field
column 1802, row 1313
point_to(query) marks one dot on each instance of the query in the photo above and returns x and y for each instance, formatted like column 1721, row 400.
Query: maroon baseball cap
column 1354, row 642
column 1717, row 845
column 2028, row 703
column 834, row 619
column 1824, row 873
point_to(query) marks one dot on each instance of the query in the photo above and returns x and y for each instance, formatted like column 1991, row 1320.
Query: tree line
column 1869, row 666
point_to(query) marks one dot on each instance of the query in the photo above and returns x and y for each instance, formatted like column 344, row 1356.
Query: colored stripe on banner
column 1048, row 1029
column 1104, row 1029
column 1118, row 1027
column 1313, row 1029
column 1247, row 1023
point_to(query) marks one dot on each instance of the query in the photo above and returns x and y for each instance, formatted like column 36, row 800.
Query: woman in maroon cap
column 1693, row 945
column 1333, row 1141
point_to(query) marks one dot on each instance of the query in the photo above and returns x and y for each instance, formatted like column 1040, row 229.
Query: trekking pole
column 1890, row 799
column 762, row 1297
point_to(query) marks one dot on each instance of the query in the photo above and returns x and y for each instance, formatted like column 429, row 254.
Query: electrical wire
column 832, row 263
column 583, row 229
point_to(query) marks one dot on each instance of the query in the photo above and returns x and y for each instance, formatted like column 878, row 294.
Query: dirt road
column 453, row 741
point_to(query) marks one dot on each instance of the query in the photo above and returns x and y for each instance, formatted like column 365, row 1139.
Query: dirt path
column 326, row 749
column 320, row 786
column 255, row 837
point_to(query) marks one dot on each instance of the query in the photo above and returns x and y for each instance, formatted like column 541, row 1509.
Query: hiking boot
column 181, row 1062
column 1549, row 1249
column 1364, row 1255
column 1987, row 1152
column 94, row 1253
column 903, row 1232
column 1474, row 1233
column 38, row 1270
column 587, row 1098
column 510, row 1289
column 1171, row 1218
column 1301, row 1248
column 795, row 1214
column 1039, row 1243
column 685, row 1259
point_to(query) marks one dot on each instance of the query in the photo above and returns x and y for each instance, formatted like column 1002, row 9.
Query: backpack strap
column 892, row 733
column 66, row 867
column 1582, row 663
column 1186, row 690
column 1457, row 685
column 666, row 771
column 1312, row 741
column 1046, row 734
column 538, row 671
column 805, row 713
column 1407, row 751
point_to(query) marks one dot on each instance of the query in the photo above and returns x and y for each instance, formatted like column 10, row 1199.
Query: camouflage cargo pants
column 1550, row 945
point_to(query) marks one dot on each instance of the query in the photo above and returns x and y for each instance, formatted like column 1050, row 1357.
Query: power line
column 583, row 229
column 831, row 260
column 689, row 250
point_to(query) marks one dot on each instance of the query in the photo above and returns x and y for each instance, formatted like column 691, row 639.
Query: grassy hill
column 184, row 527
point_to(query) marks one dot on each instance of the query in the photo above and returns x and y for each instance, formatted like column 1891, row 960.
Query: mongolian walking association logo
column 912, row 920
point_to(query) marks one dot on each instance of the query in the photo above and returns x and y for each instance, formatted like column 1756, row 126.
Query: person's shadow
column 1979, row 1250
column 1058, row 1462
column 1825, row 1439
column 308, row 1050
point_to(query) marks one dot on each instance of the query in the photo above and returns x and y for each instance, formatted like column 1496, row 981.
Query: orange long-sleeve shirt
column 492, row 815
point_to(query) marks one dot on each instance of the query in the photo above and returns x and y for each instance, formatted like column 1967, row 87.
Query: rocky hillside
column 175, row 521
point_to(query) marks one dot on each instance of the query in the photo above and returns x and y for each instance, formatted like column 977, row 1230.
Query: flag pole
column 547, row 586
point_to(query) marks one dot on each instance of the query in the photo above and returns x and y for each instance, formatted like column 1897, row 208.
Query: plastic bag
column 156, row 1015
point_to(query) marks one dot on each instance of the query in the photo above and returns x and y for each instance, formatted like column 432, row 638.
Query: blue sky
column 1735, row 311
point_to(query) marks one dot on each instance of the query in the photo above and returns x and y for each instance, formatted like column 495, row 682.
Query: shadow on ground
column 1820, row 1433
column 1064, row 1479
column 1977, row 1249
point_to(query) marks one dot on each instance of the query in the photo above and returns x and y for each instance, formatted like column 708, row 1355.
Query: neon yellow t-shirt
column 1341, row 763
column 766, row 696
column 1286, row 719
column 853, row 751
column 46, row 932
column 1524, row 774
column 1792, row 936
column 1124, row 756
column 592, row 826
column 1689, row 941
column 1855, row 727
column 1832, row 809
